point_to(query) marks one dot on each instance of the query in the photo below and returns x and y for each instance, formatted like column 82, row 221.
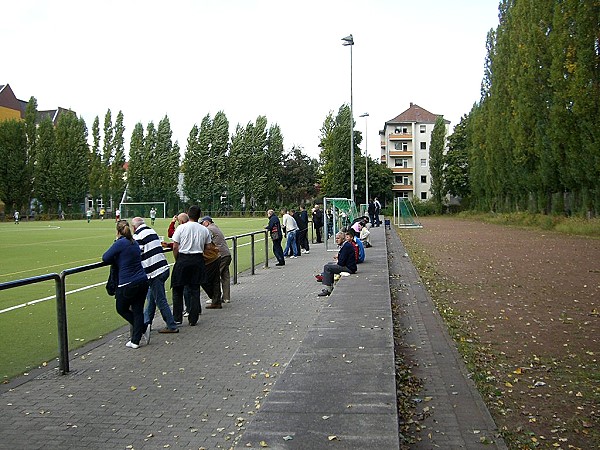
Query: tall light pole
column 349, row 40
column 365, row 115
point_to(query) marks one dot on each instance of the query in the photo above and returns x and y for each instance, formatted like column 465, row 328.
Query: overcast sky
column 281, row 59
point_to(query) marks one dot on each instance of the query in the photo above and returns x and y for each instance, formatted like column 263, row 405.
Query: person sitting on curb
column 346, row 261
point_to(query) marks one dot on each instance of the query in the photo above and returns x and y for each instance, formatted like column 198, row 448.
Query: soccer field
column 28, row 328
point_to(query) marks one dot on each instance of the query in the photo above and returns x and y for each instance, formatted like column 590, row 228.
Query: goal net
column 130, row 210
column 339, row 213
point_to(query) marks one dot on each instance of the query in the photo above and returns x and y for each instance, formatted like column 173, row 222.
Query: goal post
column 130, row 210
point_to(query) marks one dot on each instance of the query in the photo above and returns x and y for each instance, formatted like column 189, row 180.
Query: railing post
column 61, row 316
column 235, row 259
column 252, row 253
column 266, row 249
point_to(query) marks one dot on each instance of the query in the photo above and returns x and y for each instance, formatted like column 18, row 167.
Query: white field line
column 52, row 297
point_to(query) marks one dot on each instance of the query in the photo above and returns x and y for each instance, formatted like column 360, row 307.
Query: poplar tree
column 117, row 167
column 14, row 187
column 436, row 162
column 97, row 169
column 138, row 162
column 45, row 184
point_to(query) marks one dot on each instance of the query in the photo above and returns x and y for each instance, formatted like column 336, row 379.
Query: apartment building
column 405, row 142
column 11, row 108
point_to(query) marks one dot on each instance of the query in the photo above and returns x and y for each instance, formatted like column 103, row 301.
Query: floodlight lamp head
column 348, row 40
column 364, row 115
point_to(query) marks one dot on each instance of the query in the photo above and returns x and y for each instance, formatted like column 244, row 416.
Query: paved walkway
column 278, row 366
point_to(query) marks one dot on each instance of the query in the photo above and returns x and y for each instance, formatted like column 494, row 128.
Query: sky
column 277, row 58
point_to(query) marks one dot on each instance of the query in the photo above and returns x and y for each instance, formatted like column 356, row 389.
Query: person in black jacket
column 274, row 228
column 317, row 218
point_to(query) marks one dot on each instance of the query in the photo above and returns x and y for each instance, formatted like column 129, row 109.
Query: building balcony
column 401, row 153
column 402, row 169
column 402, row 187
column 400, row 136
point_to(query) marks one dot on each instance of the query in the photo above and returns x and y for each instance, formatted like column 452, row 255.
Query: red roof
column 415, row 114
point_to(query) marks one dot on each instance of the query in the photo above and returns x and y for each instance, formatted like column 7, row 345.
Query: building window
column 423, row 145
column 423, row 178
column 422, row 128
column 401, row 162
column 398, row 145
column 405, row 146
column 398, row 179
column 423, row 195
column 423, row 162
column 403, row 194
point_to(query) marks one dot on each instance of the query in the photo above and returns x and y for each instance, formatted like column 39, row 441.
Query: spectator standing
column 290, row 228
column 157, row 269
column 346, row 261
column 132, row 285
column 302, row 234
column 317, row 218
column 219, row 240
column 189, row 239
column 274, row 227
column 371, row 211
column 377, row 212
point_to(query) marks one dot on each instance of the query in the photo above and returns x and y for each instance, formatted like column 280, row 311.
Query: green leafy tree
column 192, row 163
column 45, row 183
column 107, row 157
column 165, row 167
column 97, row 169
column 31, row 132
column 299, row 178
column 436, row 162
column 456, row 161
column 118, row 179
column 219, row 149
column 14, row 179
column 335, row 157
column 138, row 164
column 71, row 164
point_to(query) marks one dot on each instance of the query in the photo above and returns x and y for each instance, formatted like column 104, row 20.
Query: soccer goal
column 339, row 213
column 405, row 215
column 130, row 210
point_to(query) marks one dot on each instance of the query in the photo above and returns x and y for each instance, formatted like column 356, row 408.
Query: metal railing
column 61, row 296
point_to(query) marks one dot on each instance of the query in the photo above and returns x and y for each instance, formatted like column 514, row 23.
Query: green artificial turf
column 28, row 335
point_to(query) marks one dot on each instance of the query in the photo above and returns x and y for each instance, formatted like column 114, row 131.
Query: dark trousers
column 319, row 231
column 130, row 301
column 193, row 307
column 302, row 239
column 212, row 283
column 278, row 251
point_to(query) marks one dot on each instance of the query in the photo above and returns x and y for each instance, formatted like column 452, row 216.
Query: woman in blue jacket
column 132, row 284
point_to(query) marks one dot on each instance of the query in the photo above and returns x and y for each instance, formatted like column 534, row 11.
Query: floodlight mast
column 349, row 41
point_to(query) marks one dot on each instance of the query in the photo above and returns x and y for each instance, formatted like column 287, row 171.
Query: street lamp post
column 365, row 115
column 349, row 40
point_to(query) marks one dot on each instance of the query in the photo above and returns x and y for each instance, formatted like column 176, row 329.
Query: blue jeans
column 158, row 297
column 291, row 243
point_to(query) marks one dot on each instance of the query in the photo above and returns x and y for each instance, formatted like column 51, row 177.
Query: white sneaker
column 226, row 301
column 146, row 334
column 292, row 257
column 208, row 302
column 131, row 345
column 185, row 313
column 307, row 252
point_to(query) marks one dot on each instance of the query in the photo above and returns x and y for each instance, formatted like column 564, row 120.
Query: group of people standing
column 202, row 258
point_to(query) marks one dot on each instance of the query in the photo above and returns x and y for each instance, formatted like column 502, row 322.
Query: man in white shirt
column 291, row 227
column 188, row 245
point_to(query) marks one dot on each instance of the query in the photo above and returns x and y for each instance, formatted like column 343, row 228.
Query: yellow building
column 11, row 108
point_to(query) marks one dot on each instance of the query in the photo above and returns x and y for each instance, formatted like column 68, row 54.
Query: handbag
column 275, row 233
column 113, row 280
column 211, row 253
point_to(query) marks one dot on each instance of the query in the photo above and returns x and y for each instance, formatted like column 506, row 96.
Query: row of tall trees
column 57, row 167
column 335, row 162
column 532, row 142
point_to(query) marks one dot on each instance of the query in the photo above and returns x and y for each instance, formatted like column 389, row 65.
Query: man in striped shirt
column 157, row 269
